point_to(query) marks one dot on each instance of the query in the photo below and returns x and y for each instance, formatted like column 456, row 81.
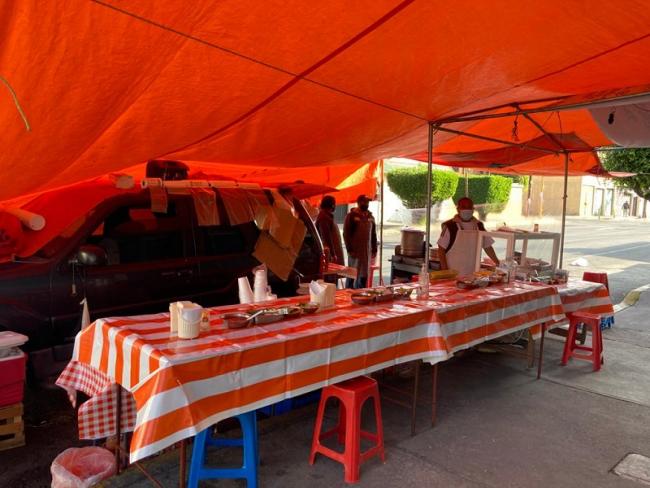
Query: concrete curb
column 631, row 298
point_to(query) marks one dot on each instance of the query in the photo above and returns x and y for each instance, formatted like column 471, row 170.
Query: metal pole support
column 429, row 177
column 564, row 199
column 381, row 226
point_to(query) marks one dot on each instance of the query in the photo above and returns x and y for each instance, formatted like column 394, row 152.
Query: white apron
column 462, row 255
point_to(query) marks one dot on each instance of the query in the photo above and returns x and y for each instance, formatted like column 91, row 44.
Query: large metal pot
column 412, row 243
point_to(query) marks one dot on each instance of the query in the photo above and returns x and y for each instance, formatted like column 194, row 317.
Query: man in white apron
column 457, row 242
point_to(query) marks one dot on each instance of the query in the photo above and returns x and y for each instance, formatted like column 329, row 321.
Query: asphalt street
column 618, row 247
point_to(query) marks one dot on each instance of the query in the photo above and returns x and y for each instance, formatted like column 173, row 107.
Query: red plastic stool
column 352, row 394
column 596, row 278
column 606, row 322
column 571, row 348
column 371, row 275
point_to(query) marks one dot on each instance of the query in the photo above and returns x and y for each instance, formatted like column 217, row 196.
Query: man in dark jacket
column 329, row 231
column 360, row 236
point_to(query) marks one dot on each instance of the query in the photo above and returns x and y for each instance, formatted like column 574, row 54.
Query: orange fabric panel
column 520, row 129
column 106, row 85
column 349, row 179
column 66, row 208
column 574, row 131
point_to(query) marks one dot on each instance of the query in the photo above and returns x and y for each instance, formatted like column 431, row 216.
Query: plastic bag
column 81, row 467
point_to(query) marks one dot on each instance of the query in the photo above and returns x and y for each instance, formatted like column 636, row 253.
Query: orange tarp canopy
column 531, row 144
column 349, row 180
column 65, row 209
column 103, row 85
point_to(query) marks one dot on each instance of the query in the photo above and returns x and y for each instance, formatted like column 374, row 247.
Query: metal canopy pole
column 564, row 199
column 429, row 177
column 381, row 224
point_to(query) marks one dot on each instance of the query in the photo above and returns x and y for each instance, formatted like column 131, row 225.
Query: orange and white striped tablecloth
column 181, row 387
column 586, row 296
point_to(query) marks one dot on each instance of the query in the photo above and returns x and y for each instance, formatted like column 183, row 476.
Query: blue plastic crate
column 283, row 406
column 289, row 404
column 306, row 399
column 606, row 322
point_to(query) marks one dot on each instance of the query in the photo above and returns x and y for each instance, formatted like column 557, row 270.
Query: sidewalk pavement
column 497, row 426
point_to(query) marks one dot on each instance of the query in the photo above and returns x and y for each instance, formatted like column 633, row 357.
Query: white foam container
column 9, row 340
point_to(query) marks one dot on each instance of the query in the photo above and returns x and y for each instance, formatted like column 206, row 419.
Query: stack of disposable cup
column 245, row 292
column 189, row 325
column 261, row 285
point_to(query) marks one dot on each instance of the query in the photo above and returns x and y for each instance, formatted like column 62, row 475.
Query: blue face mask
column 466, row 215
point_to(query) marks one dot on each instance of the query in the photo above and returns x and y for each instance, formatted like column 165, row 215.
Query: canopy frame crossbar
column 484, row 114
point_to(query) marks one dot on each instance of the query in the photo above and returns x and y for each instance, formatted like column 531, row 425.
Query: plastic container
column 9, row 340
column 82, row 467
column 189, row 325
column 423, row 280
column 12, row 379
column 175, row 309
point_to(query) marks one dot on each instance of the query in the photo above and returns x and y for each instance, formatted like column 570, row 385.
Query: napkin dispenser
column 322, row 293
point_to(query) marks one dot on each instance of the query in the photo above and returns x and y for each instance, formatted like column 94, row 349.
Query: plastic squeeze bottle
column 423, row 292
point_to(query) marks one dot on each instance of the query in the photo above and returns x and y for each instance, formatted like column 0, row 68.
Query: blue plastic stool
column 248, row 471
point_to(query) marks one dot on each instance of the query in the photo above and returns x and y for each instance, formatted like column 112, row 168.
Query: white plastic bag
column 82, row 467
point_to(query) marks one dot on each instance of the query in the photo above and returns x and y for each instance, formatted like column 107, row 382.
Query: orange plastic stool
column 571, row 348
column 596, row 278
column 352, row 394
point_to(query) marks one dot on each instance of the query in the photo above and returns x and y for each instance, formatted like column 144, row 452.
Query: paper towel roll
column 175, row 309
column 173, row 317
column 29, row 219
column 151, row 183
column 245, row 292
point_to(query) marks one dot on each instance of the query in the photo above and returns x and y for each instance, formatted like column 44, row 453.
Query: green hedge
column 410, row 185
column 490, row 193
column 522, row 180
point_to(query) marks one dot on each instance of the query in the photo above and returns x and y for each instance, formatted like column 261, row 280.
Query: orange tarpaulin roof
column 103, row 85
column 349, row 180
column 529, row 145
column 65, row 209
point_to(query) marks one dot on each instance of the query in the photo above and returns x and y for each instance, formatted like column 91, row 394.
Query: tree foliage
column 631, row 161
column 410, row 185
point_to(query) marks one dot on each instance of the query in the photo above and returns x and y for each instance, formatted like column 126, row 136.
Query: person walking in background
column 360, row 236
column 626, row 208
column 329, row 231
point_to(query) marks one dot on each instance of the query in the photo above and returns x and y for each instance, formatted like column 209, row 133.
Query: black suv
column 126, row 260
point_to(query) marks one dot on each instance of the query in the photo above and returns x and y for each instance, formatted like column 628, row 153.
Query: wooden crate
column 12, row 428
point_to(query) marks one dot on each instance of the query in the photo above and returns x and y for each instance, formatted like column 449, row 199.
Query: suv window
column 135, row 234
column 222, row 239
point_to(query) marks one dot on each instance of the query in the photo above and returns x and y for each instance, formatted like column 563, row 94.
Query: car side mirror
column 91, row 255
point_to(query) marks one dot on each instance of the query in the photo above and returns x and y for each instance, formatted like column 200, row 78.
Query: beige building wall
column 546, row 195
